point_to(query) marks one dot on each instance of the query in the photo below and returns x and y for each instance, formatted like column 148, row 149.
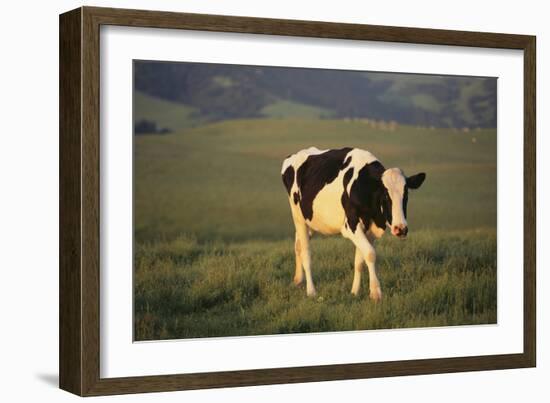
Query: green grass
column 289, row 109
column 166, row 114
column 214, row 237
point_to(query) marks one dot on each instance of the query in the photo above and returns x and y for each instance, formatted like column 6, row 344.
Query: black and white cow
column 346, row 191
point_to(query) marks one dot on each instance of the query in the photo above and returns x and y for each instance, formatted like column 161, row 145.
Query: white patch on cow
column 359, row 158
column 328, row 214
column 394, row 180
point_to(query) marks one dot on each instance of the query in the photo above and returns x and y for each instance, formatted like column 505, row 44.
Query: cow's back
column 297, row 159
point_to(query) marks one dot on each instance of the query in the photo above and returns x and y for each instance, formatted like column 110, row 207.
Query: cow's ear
column 415, row 181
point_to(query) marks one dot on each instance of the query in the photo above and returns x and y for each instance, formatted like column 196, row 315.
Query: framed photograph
column 248, row 201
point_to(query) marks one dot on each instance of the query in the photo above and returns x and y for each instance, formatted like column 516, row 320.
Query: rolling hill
column 215, row 92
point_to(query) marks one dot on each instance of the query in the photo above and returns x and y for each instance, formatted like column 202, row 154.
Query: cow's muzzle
column 400, row 230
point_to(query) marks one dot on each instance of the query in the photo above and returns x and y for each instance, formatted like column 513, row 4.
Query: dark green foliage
column 149, row 127
column 230, row 91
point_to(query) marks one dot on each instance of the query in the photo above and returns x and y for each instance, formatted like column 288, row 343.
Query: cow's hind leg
column 299, row 275
column 302, row 237
column 358, row 268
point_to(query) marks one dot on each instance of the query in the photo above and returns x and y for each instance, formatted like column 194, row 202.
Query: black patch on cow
column 296, row 197
column 350, row 216
column 368, row 198
column 347, row 177
column 374, row 170
column 385, row 205
column 317, row 171
column 346, row 163
column 288, row 178
column 405, row 200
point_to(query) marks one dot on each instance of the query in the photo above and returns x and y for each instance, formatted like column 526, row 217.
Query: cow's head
column 396, row 192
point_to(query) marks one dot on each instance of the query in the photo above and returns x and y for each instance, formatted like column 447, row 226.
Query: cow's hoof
column 376, row 294
column 297, row 281
column 311, row 292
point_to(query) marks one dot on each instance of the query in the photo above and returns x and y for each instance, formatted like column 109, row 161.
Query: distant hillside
column 168, row 114
column 211, row 92
column 290, row 109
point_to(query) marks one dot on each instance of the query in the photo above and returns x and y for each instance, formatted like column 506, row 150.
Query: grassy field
column 214, row 237
column 289, row 109
column 168, row 114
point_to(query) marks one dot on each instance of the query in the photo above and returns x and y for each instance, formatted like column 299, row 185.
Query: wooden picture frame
column 80, row 186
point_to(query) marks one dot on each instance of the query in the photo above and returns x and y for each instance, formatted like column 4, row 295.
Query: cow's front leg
column 357, row 269
column 375, row 290
column 302, row 237
column 366, row 249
